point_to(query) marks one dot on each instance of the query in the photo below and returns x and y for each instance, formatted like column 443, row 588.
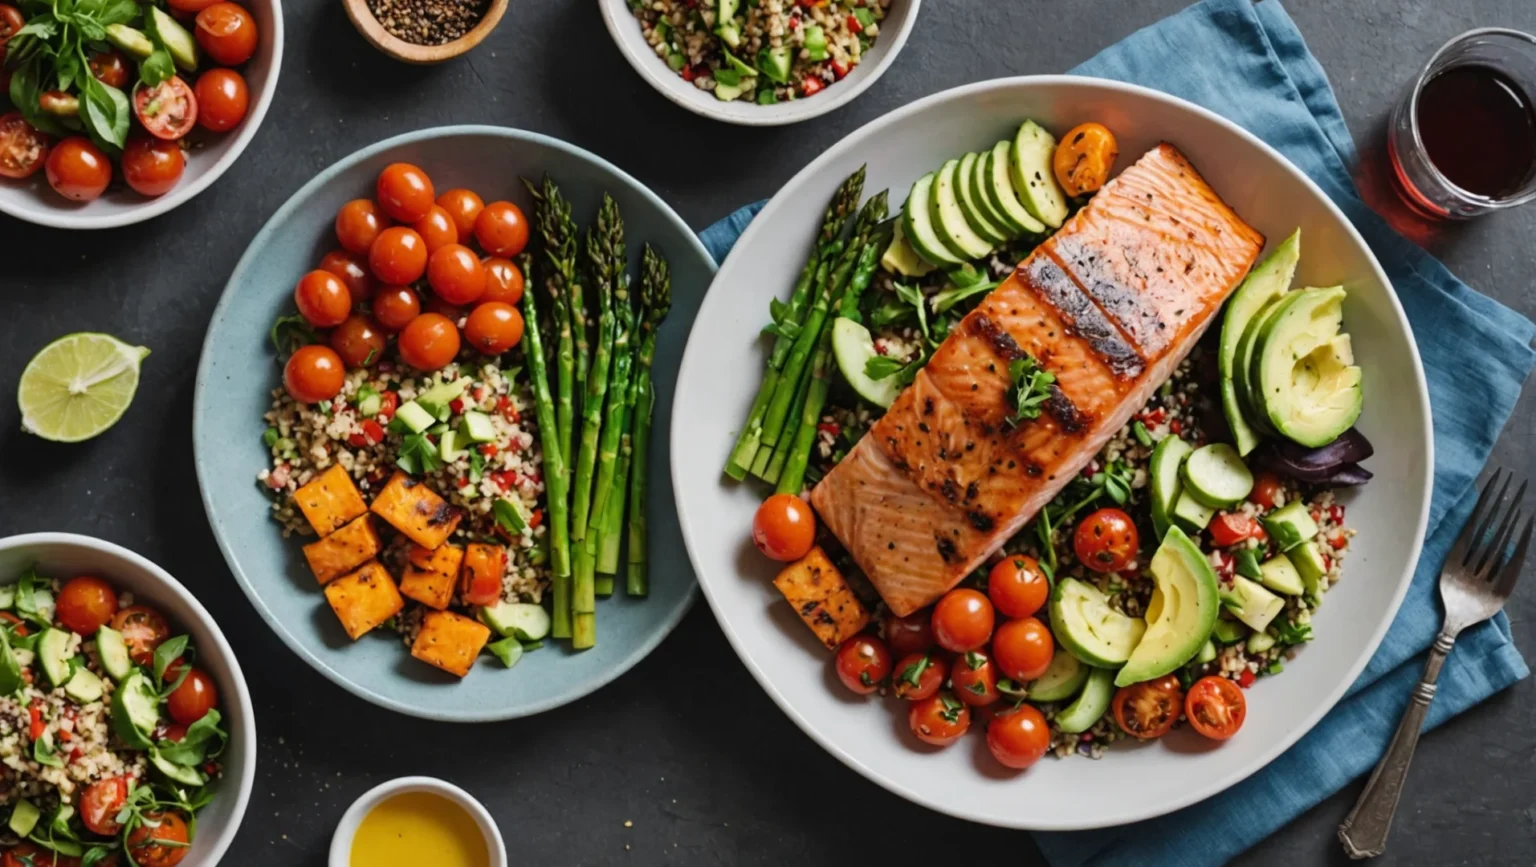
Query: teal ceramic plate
column 238, row 371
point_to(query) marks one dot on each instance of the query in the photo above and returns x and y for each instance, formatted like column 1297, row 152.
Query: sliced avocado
column 1216, row 476
column 1228, row 631
column 133, row 42
column 521, row 620
column 85, row 687
column 1065, row 676
column 1089, row 629
column 1180, row 615
column 949, row 219
column 1290, row 525
column 900, row 258
column 53, row 654
column 1207, row 653
column 1308, row 385
column 1251, row 603
column 775, row 63
column 917, row 223
column 1266, row 282
column 1281, row 577
column 853, row 348
column 1309, row 564
column 1167, row 458
column 187, row 776
column 997, row 185
column 1243, row 384
column 1090, row 704
column 1260, row 642
column 975, row 180
column 135, row 710
column 508, row 650
column 1190, row 513
column 174, row 37
column 414, row 416
column 1033, row 178
column 437, row 400
column 24, row 817
column 979, row 219
column 113, row 651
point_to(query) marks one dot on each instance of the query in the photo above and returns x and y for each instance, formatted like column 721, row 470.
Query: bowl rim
column 221, row 646
column 616, row 14
column 183, row 193
column 204, row 386
column 373, row 32
column 692, row 357
column 340, row 852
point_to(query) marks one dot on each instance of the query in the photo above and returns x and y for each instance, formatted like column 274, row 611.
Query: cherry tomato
column 18, row 625
column 962, row 620
column 404, row 192
column 1018, row 586
column 192, row 700
column 1266, row 490
column 784, row 527
column 354, row 273
column 100, row 803
column 152, row 166
column 463, row 206
column 501, row 229
column 25, row 854
column 358, row 224
column 322, row 299
column 429, row 342
column 939, row 719
column 395, row 306
column 86, row 603
column 1018, row 738
column 398, row 256
column 1106, row 541
column 1215, row 707
column 168, row 110
column 109, row 68
column 11, row 20
column 1229, row 528
column 437, row 229
column 1023, row 649
column 143, row 630
column 494, row 327
column 359, row 341
column 314, row 373
column 910, row 634
column 974, row 678
column 144, row 842
column 863, row 662
column 918, row 676
column 78, row 170
column 456, row 275
column 23, row 149
column 503, row 281
column 222, row 99
column 1149, row 709
column 227, row 32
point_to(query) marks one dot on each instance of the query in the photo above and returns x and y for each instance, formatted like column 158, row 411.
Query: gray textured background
column 686, row 747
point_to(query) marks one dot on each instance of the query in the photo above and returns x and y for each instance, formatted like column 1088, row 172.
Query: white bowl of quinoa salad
column 1371, row 535
column 774, row 62
column 89, row 741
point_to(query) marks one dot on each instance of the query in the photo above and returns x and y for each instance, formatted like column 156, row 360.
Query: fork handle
column 1364, row 831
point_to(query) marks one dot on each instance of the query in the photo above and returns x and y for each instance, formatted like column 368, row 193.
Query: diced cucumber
column 437, row 400
column 508, row 650
column 1229, row 631
column 998, row 187
column 53, row 654
column 1251, row 603
column 183, row 774
column 1282, row 577
column 1191, row 514
column 730, row 33
column 24, row 817
column 1167, row 459
column 448, row 446
column 917, row 223
column 84, row 687
column 133, row 42
column 8, row 596
column 1090, row 704
column 979, row 218
column 135, row 710
column 523, row 621
column 415, row 417
column 725, row 10
column 816, row 42
column 726, row 92
column 1207, row 652
column 853, row 348
column 476, row 427
column 1260, row 642
column 113, row 651
column 1309, row 564
column 1065, row 676
column 948, row 217
column 900, row 258
column 369, row 405
column 1033, row 178
column 1290, row 525
column 1216, row 475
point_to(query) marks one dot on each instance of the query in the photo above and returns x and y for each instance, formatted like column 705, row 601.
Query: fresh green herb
column 889, row 312
column 974, row 660
column 51, row 52
column 946, row 299
column 418, row 456
column 1275, row 667
column 952, row 708
column 766, row 96
column 476, row 465
column 880, row 366
column 269, row 437
column 1115, row 481
column 913, row 297
column 509, row 517
column 912, row 675
column 1139, row 431
column 728, row 77
column 1287, row 632
column 34, row 603
column 43, row 752
column 290, row 333
column 168, row 652
column 1031, row 388
column 1247, row 564
column 95, row 855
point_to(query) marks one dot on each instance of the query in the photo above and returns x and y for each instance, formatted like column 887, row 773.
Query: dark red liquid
column 1479, row 130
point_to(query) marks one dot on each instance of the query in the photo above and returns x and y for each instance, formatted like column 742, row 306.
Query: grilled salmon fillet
column 1110, row 304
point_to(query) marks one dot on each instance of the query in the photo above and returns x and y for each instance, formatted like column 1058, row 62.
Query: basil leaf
column 105, row 112
column 41, row 27
column 119, row 12
column 157, row 67
column 95, row 855
column 168, row 652
column 879, row 367
column 26, row 86
column 66, row 67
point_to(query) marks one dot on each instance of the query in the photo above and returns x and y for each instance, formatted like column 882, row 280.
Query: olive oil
column 418, row 829
column 1479, row 129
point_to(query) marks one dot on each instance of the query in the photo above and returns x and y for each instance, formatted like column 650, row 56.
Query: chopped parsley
column 952, row 708
column 1031, row 388
column 912, row 675
column 418, row 455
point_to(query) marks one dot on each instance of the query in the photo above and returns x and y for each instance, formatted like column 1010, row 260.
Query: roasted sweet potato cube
column 822, row 598
column 330, row 501
column 416, row 511
column 364, row 599
column 450, row 641
column 344, row 550
column 430, row 576
column 480, row 579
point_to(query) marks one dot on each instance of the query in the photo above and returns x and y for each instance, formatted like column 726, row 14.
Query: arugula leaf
column 204, row 740
column 914, row 297
column 168, row 652
column 43, row 752
column 1031, row 388
column 945, row 300
column 879, row 367
column 95, row 855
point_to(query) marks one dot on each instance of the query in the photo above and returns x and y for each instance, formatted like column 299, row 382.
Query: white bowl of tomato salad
column 147, row 117
column 119, row 798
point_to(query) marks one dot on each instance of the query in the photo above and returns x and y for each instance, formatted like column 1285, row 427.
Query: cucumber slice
column 521, row 620
column 1207, row 653
column 1029, row 167
column 476, row 427
column 1191, row 514
column 135, row 710
column 1167, row 458
column 1310, row 566
column 1290, row 525
column 53, row 653
column 1065, row 676
column 24, row 817
column 414, row 416
column 1281, row 576
column 975, row 214
column 508, row 650
column 999, row 189
column 85, row 687
column 1216, row 476
column 917, row 224
column 954, row 232
column 853, row 347
column 1091, row 703
column 1229, row 631
column 113, row 651
column 900, row 258
column 1251, row 603
column 1260, row 642
column 976, row 190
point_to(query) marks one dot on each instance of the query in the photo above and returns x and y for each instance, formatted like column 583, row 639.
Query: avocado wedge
column 1265, row 283
column 1182, row 612
column 1089, row 629
column 1304, row 375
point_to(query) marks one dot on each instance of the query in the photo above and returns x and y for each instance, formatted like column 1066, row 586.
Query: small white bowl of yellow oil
column 412, row 821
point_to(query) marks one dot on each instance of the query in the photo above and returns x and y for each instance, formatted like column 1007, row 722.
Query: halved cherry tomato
column 1215, row 707
column 437, row 229
column 1106, row 541
column 962, row 620
column 863, row 663
column 429, row 342
column 99, row 805
column 1018, row 738
column 398, row 256
column 153, row 166
column 227, row 32
column 404, row 192
column 109, row 68
column 78, row 170
column 939, row 719
column 1018, row 586
column 222, row 99
column 910, row 634
column 1229, row 528
column 501, row 229
column 395, row 306
column 784, row 527
column 463, row 206
column 359, row 341
column 143, row 630
column 353, row 271
column 190, row 6
column 1266, row 490
column 314, row 373
column 974, row 678
column 503, row 281
column 1149, row 709
column 358, row 224
column 25, row 854
column 163, row 845
column 23, row 149
column 322, row 299
column 494, row 327
column 85, row 604
column 168, row 110
column 919, row 675
column 456, row 275
column 1023, row 648
column 11, row 20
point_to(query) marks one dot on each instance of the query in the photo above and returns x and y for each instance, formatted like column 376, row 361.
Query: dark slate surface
column 685, row 760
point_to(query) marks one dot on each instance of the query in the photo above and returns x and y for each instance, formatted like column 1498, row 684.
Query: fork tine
column 1485, row 522
column 1506, row 585
column 1465, row 541
column 1500, row 542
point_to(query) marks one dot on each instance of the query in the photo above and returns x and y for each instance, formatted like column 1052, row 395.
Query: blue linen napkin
column 1249, row 63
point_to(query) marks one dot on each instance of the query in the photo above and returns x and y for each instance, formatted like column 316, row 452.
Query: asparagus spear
column 656, row 297
column 556, row 474
column 770, row 469
column 605, row 257
column 609, row 492
column 838, row 212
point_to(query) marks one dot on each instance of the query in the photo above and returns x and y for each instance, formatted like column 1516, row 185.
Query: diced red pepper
column 389, row 401
column 508, row 409
column 687, row 73
column 853, row 24
column 1175, row 427
column 75, row 755
column 840, row 69
column 829, row 427
column 1229, row 528
column 1338, row 542
column 456, row 405
column 1247, row 678
column 811, row 85
column 1336, row 513
column 488, row 450
column 507, row 479
column 536, row 518
column 463, row 481
column 66, row 735
column 371, row 434
column 35, row 712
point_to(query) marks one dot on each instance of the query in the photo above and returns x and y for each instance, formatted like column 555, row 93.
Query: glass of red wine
column 1463, row 139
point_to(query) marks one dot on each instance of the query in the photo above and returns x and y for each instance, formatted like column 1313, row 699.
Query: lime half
column 78, row 386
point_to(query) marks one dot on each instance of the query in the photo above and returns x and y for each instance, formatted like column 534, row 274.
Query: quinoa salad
column 763, row 51
column 110, row 733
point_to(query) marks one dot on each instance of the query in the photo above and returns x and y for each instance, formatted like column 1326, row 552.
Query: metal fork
column 1478, row 577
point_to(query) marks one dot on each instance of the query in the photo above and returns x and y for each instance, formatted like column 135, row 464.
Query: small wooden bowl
column 410, row 52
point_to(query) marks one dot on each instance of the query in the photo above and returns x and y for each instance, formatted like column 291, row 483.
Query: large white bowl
column 65, row 555
column 1136, row 781
column 36, row 202
column 624, row 27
